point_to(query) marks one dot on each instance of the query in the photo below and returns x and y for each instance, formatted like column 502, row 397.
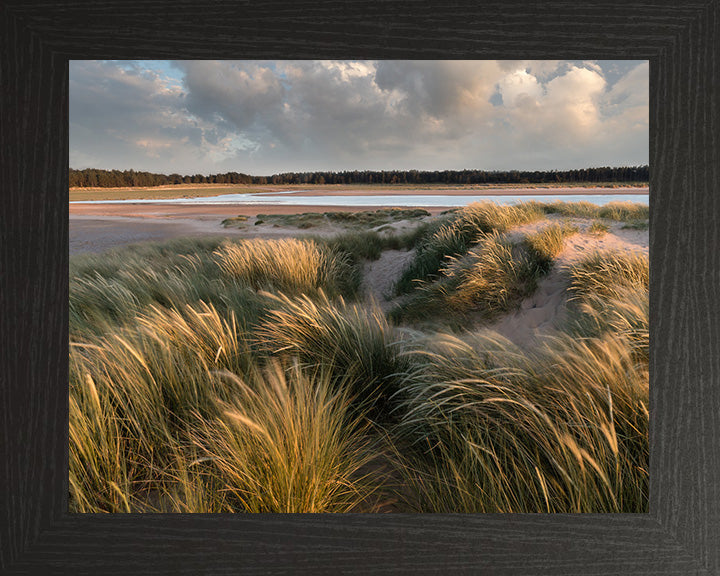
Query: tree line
column 94, row 178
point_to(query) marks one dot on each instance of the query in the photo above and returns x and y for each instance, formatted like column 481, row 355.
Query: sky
column 269, row 117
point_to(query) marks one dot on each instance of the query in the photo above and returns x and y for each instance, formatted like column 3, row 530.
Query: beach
column 98, row 226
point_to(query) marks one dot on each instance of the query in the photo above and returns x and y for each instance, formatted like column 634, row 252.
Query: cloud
column 264, row 117
column 127, row 117
column 518, row 87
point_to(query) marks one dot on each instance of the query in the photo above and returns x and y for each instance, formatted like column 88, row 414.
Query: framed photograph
column 518, row 516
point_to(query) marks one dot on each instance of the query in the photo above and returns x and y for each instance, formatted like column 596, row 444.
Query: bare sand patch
column 380, row 276
column 97, row 227
column 547, row 307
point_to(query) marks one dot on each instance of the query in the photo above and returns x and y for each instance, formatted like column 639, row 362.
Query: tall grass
column 355, row 341
column 598, row 228
column 160, row 366
column 491, row 428
column 610, row 293
column 619, row 211
column 605, row 272
column 369, row 244
column 178, row 415
column 463, row 228
column 547, row 243
column 290, row 444
column 624, row 211
column 109, row 291
column 212, row 376
column 491, row 278
column 296, row 266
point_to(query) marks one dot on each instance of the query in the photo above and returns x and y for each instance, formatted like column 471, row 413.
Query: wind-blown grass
column 356, row 341
column 462, row 229
column 624, row 211
column 296, row 266
column 369, row 244
column 216, row 376
column 490, row 428
column 290, row 444
column 636, row 225
column 604, row 273
column 133, row 393
column 619, row 211
column 491, row 278
column 547, row 243
column 146, row 404
column 610, row 294
column 598, row 228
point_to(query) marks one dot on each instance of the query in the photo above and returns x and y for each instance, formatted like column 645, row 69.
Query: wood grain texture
column 680, row 536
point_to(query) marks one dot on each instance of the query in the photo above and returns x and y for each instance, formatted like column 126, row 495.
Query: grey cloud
column 266, row 117
column 241, row 94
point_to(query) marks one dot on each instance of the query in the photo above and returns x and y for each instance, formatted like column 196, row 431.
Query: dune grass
column 363, row 219
column 285, row 265
column 290, row 444
column 369, row 244
column 492, row 278
column 618, row 211
column 216, row 376
column 636, row 225
column 133, row 393
column 460, row 230
column 235, row 221
column 610, row 293
column 548, row 242
column 605, row 272
column 598, row 228
column 278, row 439
column 490, row 428
column 355, row 340
column 109, row 290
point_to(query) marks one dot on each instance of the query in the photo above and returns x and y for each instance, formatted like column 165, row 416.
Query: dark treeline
column 115, row 178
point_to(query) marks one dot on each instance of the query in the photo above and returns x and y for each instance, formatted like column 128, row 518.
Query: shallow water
column 384, row 200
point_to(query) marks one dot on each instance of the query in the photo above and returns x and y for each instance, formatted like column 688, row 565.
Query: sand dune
column 98, row 227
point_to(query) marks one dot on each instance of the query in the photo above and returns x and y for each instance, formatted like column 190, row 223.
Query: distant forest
column 93, row 178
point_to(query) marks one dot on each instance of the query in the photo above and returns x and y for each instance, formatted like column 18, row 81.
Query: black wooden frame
column 680, row 535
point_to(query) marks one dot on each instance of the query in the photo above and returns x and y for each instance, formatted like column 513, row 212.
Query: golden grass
column 285, row 265
column 492, row 428
column 234, row 377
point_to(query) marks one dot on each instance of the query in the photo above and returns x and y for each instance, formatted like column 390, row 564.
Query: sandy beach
column 97, row 227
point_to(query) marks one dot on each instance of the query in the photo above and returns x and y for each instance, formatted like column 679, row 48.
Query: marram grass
column 353, row 341
column 462, row 229
column 289, row 443
column 285, row 265
column 490, row 428
column 217, row 376
column 491, row 278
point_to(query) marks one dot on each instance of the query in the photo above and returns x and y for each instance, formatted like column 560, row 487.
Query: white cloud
column 519, row 86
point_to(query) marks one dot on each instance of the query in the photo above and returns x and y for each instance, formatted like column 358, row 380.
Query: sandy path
column 547, row 307
column 380, row 275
